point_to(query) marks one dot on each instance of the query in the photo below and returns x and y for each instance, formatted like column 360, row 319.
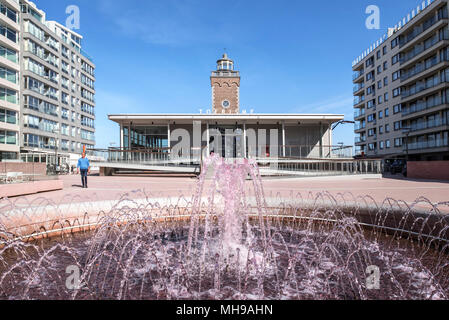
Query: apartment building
column 57, row 86
column 48, row 83
column 401, row 89
column 9, row 79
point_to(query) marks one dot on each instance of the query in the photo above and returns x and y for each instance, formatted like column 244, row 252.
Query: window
column 387, row 112
column 387, row 128
column 387, row 144
column 381, row 145
column 8, row 116
column 384, row 49
column 381, row 114
column 11, row 14
column 9, row 54
column 379, row 100
column 386, row 97
column 87, row 135
column 31, row 121
column 65, row 113
column 397, row 108
column 395, row 59
column 394, row 42
column 8, row 137
column 396, row 75
column 378, row 55
column 398, row 142
column 385, row 65
column 9, row 95
column 8, row 33
column 8, row 74
column 386, row 81
column 381, row 130
column 371, row 104
column 379, row 69
column 397, row 125
column 396, row 92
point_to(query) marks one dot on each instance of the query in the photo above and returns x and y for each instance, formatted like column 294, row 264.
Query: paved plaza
column 112, row 188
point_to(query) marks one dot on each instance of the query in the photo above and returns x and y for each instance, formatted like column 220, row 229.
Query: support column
column 129, row 140
column 245, row 154
column 208, row 139
column 321, row 140
column 121, row 136
column 168, row 135
column 283, row 139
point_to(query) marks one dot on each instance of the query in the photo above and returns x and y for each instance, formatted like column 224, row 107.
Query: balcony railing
column 424, row 46
column 358, row 100
column 421, row 87
column 422, row 106
column 359, row 87
column 437, row 143
column 358, row 74
column 420, row 67
column 428, row 124
column 422, row 28
column 359, row 113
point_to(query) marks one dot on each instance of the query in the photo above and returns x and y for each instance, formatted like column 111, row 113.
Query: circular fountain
column 229, row 241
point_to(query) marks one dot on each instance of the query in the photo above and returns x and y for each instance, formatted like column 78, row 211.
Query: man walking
column 84, row 167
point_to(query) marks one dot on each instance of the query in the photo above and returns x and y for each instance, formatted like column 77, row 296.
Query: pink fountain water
column 229, row 241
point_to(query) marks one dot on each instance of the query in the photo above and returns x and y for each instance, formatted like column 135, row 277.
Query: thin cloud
column 168, row 22
column 338, row 105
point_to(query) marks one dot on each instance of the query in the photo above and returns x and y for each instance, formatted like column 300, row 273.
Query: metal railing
column 194, row 156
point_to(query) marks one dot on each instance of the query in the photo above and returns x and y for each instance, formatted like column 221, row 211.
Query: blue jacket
column 83, row 163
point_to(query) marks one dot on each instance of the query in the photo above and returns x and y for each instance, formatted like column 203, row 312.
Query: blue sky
column 156, row 56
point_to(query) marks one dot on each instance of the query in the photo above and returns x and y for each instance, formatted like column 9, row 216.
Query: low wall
column 21, row 189
column 433, row 170
column 24, row 167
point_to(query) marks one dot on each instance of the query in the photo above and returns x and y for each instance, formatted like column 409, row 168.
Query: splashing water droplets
column 229, row 241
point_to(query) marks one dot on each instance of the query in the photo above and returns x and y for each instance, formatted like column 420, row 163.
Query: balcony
column 437, row 143
column 359, row 113
column 403, row 41
column 358, row 100
column 359, row 126
column 360, row 139
column 226, row 74
column 358, row 87
column 421, row 67
column 418, row 107
column 357, row 75
column 422, row 86
column 428, row 124
column 420, row 48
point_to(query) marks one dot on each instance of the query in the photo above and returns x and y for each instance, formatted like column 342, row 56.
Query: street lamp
column 342, row 122
column 56, row 131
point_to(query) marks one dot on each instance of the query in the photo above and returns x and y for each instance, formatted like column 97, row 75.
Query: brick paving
column 112, row 188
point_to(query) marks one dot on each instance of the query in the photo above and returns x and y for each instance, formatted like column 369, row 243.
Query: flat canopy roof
column 225, row 118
